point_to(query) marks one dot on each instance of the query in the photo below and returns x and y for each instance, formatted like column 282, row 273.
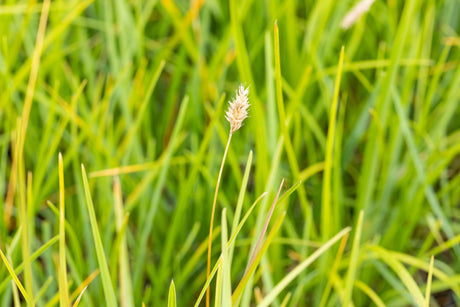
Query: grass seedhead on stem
column 237, row 112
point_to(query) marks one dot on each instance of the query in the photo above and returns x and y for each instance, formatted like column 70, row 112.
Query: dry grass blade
column 264, row 229
column 77, row 301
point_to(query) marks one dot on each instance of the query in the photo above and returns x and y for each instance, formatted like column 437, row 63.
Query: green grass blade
column 353, row 266
column 299, row 268
column 239, row 203
column 226, row 281
column 404, row 276
column 63, row 286
column 327, row 217
column 109, row 292
column 428, row 283
column 258, row 257
column 126, row 293
column 24, row 204
column 15, row 277
column 172, row 295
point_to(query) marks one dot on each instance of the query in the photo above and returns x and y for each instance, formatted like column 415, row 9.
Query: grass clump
column 112, row 130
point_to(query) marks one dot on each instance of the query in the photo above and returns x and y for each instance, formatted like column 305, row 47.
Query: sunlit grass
column 112, row 132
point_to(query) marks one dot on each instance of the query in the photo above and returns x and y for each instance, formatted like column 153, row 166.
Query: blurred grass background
column 136, row 92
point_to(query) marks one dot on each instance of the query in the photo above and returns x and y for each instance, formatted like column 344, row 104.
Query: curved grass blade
column 302, row 266
column 241, row 286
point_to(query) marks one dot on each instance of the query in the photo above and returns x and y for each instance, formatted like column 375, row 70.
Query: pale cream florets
column 238, row 109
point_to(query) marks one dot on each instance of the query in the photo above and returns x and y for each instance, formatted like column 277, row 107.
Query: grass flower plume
column 238, row 109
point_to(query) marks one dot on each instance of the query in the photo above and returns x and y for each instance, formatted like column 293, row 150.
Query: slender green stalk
column 236, row 114
column 23, row 208
column 106, row 281
column 62, row 275
column 428, row 283
column 211, row 227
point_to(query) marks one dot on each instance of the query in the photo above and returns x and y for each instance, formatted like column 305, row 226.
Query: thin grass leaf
column 421, row 173
column 283, row 124
column 258, row 257
column 333, row 271
column 172, row 295
column 15, row 278
column 428, row 283
column 63, row 286
column 239, row 203
column 353, row 266
column 299, row 268
column 23, row 215
column 43, row 289
column 370, row 293
column 77, row 301
column 230, row 242
column 109, row 293
column 328, row 218
column 226, row 279
column 264, row 229
column 404, row 276
column 126, row 294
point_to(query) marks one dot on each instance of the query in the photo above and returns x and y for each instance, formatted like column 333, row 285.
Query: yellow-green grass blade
column 230, row 242
column 428, row 283
column 77, row 301
column 370, row 293
column 218, row 293
column 420, row 168
column 422, row 265
column 239, row 203
column 243, row 64
column 283, row 121
column 109, row 292
column 52, row 36
column 328, row 219
column 258, row 257
column 201, row 249
column 264, row 228
column 32, row 82
column 333, row 271
column 226, row 281
column 270, row 297
column 402, row 273
column 126, row 294
column 23, row 215
column 34, row 256
column 208, row 281
column 172, row 295
column 285, row 301
column 43, row 289
column 353, row 266
column 62, row 274
column 124, row 146
column 445, row 245
column 15, row 277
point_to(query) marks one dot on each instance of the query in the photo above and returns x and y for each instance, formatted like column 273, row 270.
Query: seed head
column 238, row 109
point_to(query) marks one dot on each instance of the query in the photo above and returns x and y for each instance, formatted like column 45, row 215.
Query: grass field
column 113, row 132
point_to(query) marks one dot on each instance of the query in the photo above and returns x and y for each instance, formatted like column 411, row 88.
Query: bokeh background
column 136, row 91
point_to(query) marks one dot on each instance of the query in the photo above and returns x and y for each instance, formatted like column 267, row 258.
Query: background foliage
column 137, row 89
